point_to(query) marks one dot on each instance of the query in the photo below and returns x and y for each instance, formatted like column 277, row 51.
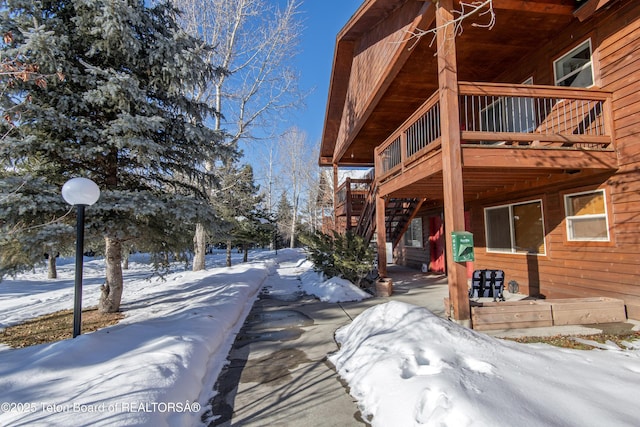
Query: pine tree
column 237, row 202
column 345, row 255
column 31, row 231
column 119, row 117
column 284, row 220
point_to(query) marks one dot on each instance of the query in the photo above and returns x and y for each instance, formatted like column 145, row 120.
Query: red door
column 436, row 244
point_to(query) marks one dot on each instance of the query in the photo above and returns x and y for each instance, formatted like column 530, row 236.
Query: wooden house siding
column 566, row 271
column 571, row 269
column 374, row 53
column 514, row 163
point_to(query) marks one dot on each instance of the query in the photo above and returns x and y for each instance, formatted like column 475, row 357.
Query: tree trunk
column 245, row 257
column 125, row 257
column 51, row 261
column 228, row 253
column 112, row 288
column 294, row 219
column 199, row 247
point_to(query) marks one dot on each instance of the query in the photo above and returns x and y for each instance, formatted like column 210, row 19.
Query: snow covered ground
column 405, row 366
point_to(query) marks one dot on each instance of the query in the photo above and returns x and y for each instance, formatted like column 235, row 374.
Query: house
column 519, row 124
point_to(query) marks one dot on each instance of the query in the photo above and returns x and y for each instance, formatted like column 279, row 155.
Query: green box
column 462, row 246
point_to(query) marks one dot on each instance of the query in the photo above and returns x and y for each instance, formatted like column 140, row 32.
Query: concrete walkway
column 279, row 374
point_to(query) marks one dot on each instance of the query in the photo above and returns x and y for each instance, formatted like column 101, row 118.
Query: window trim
column 513, row 250
column 565, row 56
column 567, row 217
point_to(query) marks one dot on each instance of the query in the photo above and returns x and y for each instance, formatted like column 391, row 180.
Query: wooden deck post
column 451, row 158
column 381, row 236
column 335, row 196
column 347, row 186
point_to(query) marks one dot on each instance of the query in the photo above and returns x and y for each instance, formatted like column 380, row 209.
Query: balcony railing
column 524, row 116
column 535, row 115
column 351, row 197
column 414, row 139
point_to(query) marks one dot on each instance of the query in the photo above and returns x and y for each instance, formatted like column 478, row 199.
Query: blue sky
column 323, row 19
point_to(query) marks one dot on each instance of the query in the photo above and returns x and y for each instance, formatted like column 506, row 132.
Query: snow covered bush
column 344, row 255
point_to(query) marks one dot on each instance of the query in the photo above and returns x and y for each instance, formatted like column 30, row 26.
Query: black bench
column 487, row 284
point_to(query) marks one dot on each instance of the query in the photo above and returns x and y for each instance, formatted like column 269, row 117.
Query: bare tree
column 254, row 42
column 300, row 174
column 311, row 188
column 480, row 8
column 270, row 182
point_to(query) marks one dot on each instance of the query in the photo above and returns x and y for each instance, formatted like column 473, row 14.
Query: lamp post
column 79, row 192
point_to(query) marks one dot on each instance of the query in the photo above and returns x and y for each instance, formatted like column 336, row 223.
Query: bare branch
column 481, row 8
column 253, row 41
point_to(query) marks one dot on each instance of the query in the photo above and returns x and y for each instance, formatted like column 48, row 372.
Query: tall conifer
column 237, row 202
column 120, row 116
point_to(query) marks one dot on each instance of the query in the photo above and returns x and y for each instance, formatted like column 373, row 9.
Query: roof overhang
column 482, row 55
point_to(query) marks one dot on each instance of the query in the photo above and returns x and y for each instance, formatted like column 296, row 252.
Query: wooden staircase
column 367, row 221
column 398, row 215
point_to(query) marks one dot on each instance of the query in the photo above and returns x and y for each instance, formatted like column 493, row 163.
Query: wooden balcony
column 511, row 135
column 351, row 198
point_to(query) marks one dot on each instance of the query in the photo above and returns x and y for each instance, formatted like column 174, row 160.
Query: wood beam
column 541, row 181
column 451, row 158
column 587, row 10
column 527, row 137
column 537, row 158
column 424, row 169
column 381, row 235
column 348, row 201
column 565, row 8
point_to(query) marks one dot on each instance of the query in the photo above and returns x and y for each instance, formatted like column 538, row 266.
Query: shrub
column 346, row 255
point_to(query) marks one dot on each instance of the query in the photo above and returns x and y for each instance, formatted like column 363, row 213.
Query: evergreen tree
column 27, row 235
column 237, row 202
column 345, row 255
column 284, row 219
column 119, row 117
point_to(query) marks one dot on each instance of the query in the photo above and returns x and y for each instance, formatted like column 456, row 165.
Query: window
column 413, row 236
column 575, row 69
column 515, row 228
column 587, row 216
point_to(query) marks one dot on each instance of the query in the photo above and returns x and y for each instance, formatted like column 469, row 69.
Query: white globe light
column 80, row 191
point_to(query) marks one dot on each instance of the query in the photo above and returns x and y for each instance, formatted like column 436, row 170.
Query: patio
column 430, row 290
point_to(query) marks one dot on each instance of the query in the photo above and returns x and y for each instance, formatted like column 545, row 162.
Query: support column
column 381, row 236
column 451, row 158
column 335, row 196
column 347, row 202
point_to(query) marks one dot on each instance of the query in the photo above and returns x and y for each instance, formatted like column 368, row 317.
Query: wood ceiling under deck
column 489, row 171
column 483, row 54
column 484, row 184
